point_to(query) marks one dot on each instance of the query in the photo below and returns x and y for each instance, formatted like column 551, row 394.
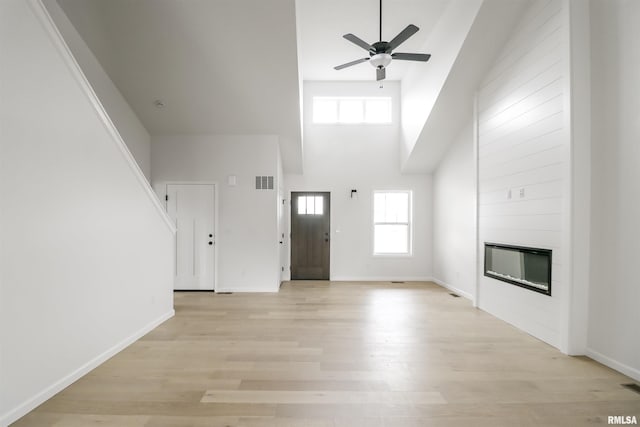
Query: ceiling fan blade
column 403, row 36
column 424, row 57
column 349, row 64
column 358, row 41
column 381, row 73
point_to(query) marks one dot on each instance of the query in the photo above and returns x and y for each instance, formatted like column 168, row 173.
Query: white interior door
column 192, row 207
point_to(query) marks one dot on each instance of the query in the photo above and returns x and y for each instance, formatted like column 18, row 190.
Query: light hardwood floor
column 322, row 354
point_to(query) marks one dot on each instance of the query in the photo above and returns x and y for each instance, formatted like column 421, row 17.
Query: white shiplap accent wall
column 522, row 144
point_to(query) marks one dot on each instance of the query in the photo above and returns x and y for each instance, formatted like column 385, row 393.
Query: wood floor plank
column 320, row 397
column 314, row 385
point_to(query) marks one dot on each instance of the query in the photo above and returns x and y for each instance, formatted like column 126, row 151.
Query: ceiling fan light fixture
column 381, row 52
column 380, row 60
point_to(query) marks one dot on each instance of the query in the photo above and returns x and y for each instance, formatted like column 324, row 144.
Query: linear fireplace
column 529, row 268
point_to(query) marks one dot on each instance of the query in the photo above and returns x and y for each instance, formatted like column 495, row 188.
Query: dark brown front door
column 310, row 235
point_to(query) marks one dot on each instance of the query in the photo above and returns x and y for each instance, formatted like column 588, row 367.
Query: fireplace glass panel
column 526, row 267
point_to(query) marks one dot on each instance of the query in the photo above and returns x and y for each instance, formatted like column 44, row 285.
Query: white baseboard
column 380, row 279
column 614, row 364
column 30, row 404
column 247, row 290
column 457, row 291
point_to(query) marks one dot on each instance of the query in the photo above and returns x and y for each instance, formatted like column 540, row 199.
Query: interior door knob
column 211, row 243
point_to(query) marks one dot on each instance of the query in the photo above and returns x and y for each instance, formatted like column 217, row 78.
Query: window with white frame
column 352, row 110
column 392, row 222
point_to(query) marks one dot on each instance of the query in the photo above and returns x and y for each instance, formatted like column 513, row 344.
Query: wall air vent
column 633, row 387
column 264, row 182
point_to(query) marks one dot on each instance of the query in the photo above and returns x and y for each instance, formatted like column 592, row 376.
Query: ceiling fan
column 381, row 52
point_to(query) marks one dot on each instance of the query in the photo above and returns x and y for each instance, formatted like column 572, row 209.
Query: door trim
column 163, row 185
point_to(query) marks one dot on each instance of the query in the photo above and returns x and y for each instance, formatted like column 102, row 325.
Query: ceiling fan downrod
column 380, row 20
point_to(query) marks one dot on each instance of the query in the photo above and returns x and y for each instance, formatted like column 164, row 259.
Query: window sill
column 409, row 255
column 352, row 123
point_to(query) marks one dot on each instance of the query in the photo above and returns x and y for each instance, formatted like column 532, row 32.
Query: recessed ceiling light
column 158, row 103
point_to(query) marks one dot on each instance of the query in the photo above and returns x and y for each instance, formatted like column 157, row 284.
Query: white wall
column 422, row 87
column 247, row 242
column 454, row 216
column 523, row 143
column 339, row 158
column 129, row 126
column 87, row 255
column 615, row 288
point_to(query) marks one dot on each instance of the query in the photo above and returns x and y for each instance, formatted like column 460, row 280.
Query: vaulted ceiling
column 236, row 66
